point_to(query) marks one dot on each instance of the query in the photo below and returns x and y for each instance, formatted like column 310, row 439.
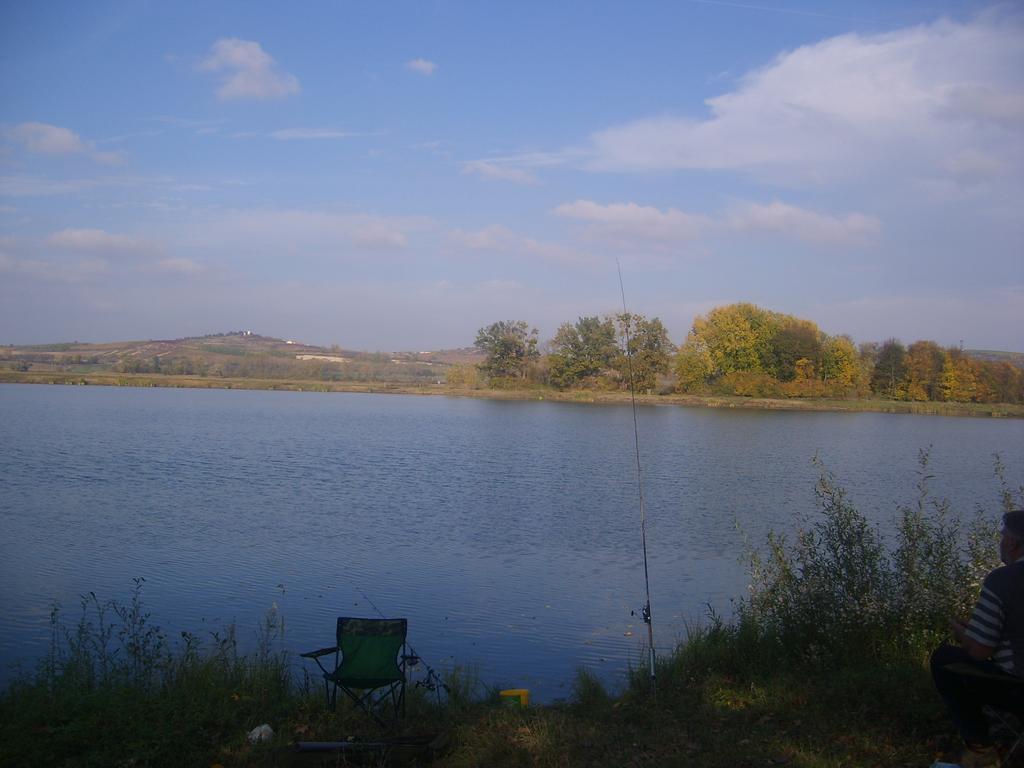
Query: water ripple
column 507, row 532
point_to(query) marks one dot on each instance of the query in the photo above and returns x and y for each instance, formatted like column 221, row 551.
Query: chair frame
column 999, row 713
column 369, row 698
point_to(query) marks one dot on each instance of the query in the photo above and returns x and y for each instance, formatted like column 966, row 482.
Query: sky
column 397, row 175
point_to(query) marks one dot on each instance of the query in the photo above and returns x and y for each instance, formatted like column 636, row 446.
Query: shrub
column 841, row 592
column 463, row 376
column 748, row 384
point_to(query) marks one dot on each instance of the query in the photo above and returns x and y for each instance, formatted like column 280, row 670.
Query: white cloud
column 306, row 232
column 555, row 252
column 52, row 271
column 900, row 103
column 626, row 224
column 180, row 266
column 499, row 287
column 249, row 72
column 632, row 221
column 370, row 232
column 490, row 170
column 422, row 66
column 979, row 100
column 499, row 239
column 95, row 240
column 489, row 239
column 33, row 186
column 297, row 134
column 806, row 225
column 46, row 139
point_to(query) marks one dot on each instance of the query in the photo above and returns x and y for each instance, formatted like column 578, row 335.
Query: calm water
column 508, row 532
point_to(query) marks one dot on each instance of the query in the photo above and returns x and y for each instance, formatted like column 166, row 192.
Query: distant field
column 239, row 355
column 1013, row 358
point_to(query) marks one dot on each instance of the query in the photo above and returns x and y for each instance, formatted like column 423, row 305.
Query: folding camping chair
column 1006, row 718
column 369, row 665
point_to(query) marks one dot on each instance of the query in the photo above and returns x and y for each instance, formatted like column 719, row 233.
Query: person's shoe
column 982, row 757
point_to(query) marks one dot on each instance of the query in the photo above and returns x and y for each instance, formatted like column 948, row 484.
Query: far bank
column 987, row 410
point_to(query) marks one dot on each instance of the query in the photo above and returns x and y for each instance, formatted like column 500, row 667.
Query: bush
column 841, row 593
column 463, row 376
column 748, row 384
column 113, row 691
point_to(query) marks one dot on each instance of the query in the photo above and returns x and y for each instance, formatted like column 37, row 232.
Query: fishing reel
column 645, row 613
column 433, row 682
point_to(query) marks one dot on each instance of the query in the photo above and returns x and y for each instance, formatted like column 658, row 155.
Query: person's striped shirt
column 997, row 617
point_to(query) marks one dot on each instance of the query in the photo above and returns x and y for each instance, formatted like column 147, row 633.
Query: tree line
column 738, row 349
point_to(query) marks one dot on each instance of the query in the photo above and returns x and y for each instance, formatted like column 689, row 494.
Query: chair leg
column 1009, row 723
column 1013, row 750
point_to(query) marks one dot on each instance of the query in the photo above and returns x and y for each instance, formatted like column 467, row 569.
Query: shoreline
column 977, row 410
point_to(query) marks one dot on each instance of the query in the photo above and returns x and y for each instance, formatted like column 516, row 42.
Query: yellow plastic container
column 515, row 697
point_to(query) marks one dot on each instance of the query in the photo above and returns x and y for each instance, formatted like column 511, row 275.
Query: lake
column 507, row 532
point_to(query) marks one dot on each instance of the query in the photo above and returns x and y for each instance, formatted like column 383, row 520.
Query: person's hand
column 958, row 627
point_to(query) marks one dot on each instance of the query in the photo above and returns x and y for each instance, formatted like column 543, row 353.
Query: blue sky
column 394, row 176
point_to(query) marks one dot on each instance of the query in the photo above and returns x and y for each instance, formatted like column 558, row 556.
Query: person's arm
column 974, row 649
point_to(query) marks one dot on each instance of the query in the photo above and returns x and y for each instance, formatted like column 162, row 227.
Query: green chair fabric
column 369, row 665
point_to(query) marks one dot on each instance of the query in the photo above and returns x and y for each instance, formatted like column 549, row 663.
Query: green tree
column 924, row 370
column 581, row 350
column 694, row 365
column 804, row 370
column 949, row 382
column 736, row 337
column 958, row 380
column 649, row 351
column 510, row 345
column 793, row 341
column 462, row 376
column 890, row 369
column 999, row 382
column 839, row 361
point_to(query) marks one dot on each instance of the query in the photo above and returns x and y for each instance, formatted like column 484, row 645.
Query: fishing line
column 433, row 681
column 646, row 613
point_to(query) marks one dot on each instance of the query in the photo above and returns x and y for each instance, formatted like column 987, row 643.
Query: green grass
column 711, row 708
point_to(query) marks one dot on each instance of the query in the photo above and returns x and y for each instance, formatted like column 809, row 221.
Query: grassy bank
column 824, row 664
column 988, row 410
column 713, row 707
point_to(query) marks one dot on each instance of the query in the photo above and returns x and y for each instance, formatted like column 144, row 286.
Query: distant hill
column 237, row 354
column 1013, row 358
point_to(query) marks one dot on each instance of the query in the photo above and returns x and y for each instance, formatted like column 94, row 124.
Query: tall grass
column 825, row 660
column 112, row 686
column 842, row 591
column 840, row 620
column 114, row 689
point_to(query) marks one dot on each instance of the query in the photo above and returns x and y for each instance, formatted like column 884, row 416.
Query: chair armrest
column 319, row 653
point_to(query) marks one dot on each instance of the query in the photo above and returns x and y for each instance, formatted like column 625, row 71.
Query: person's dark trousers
column 966, row 694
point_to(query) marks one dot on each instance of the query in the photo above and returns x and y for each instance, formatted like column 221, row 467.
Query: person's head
column 1011, row 545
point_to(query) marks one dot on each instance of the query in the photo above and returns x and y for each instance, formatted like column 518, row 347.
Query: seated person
column 991, row 646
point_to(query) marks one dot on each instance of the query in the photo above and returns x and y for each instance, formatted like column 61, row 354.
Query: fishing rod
column 433, row 681
column 646, row 611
